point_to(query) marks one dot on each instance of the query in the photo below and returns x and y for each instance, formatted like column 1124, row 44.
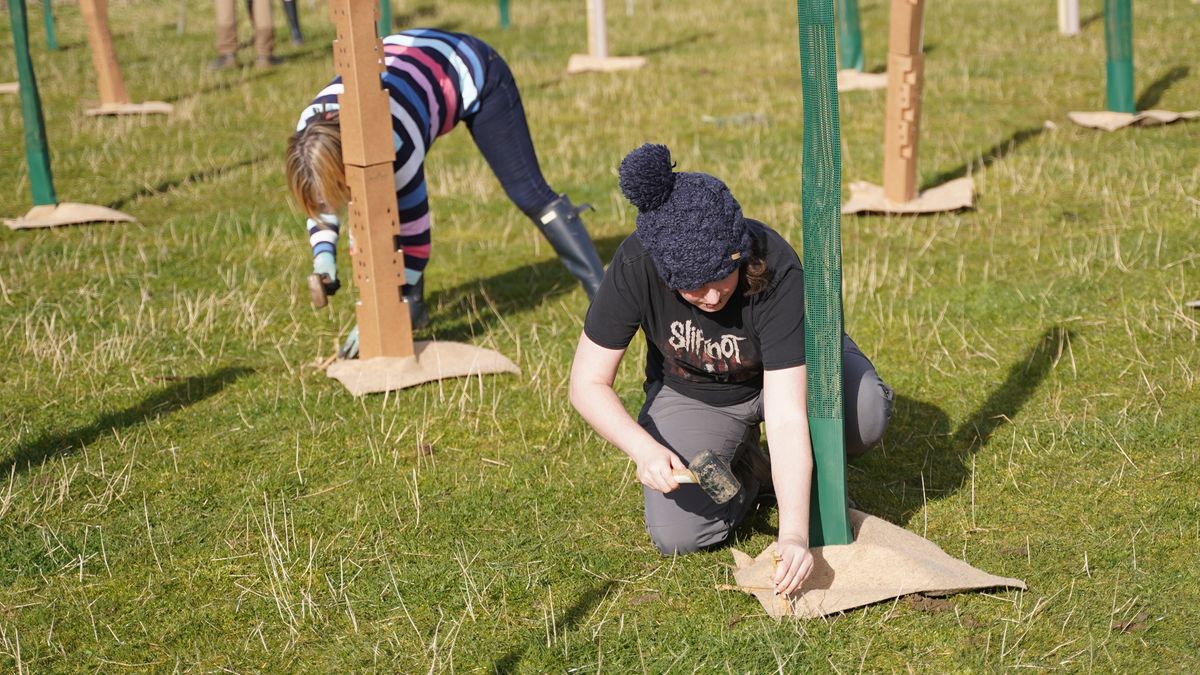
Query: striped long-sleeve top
column 433, row 79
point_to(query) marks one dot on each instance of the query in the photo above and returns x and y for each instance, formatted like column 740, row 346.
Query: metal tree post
column 1118, row 39
column 849, row 35
column 829, row 519
column 37, row 151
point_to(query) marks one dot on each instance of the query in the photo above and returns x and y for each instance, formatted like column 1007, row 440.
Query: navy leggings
column 502, row 136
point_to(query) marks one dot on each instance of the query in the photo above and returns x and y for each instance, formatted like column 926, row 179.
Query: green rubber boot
column 563, row 228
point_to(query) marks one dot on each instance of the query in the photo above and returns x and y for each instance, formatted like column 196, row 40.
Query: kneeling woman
column 720, row 299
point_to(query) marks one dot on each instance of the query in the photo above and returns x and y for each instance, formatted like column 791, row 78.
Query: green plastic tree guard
column 504, row 23
column 48, row 16
column 1118, row 39
column 37, row 151
column 849, row 35
column 821, row 199
column 385, row 18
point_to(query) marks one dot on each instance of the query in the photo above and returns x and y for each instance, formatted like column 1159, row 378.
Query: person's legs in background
column 226, row 35
column 293, row 20
column 264, row 33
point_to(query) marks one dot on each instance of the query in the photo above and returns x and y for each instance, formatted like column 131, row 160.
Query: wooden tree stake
column 114, row 98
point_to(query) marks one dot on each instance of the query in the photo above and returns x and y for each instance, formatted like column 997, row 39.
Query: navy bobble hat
column 689, row 222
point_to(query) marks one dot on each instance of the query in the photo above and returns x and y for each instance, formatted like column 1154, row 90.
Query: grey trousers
column 687, row 520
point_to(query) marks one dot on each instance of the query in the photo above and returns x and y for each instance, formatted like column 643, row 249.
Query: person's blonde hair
column 315, row 172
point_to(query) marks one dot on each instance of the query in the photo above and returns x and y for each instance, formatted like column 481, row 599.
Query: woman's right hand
column 655, row 466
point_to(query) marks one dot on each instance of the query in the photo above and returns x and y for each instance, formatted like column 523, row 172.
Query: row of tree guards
column 390, row 359
column 47, row 211
column 904, row 80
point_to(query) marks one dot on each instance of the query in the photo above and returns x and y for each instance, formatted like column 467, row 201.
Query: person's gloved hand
column 325, row 263
column 349, row 348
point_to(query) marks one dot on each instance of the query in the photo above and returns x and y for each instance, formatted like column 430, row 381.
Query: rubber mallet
column 712, row 474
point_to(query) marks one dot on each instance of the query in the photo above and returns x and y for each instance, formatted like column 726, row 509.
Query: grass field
column 181, row 490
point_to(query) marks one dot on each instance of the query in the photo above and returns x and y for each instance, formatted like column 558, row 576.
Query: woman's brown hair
column 755, row 273
column 315, row 173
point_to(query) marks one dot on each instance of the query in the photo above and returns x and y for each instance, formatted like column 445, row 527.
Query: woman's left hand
column 794, row 566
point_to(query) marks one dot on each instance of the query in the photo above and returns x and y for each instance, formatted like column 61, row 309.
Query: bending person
column 434, row 80
column 720, row 299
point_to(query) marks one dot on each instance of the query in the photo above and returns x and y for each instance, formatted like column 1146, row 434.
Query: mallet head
column 320, row 287
column 715, row 477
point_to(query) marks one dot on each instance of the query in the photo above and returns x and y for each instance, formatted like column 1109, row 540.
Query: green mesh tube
column 37, row 151
column 821, row 196
column 48, row 17
column 385, row 18
column 1118, row 40
column 850, row 49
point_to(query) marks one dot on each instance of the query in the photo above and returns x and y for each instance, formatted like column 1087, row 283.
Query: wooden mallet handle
column 684, row 476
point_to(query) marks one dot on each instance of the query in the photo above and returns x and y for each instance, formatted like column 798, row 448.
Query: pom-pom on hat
column 689, row 222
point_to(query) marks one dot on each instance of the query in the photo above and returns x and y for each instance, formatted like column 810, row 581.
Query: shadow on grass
column 462, row 312
column 1086, row 21
column 421, row 16
column 419, row 13
column 311, row 51
column 167, row 185
column 509, row 662
column 181, row 394
column 65, row 46
column 928, row 461
column 986, row 158
column 227, row 80
column 1153, row 93
column 546, row 84
column 668, row 46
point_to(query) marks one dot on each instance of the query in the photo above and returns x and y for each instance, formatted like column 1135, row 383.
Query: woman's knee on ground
column 868, row 404
column 682, row 540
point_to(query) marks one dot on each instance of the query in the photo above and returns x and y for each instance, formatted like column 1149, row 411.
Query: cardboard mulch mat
column 67, row 213
column 883, row 562
column 431, row 361
column 952, row 196
column 1112, row 121
column 855, row 80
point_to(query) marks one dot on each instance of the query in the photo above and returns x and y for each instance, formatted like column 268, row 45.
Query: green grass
column 182, row 490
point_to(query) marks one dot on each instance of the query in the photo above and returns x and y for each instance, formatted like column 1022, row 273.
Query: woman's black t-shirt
column 717, row 357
